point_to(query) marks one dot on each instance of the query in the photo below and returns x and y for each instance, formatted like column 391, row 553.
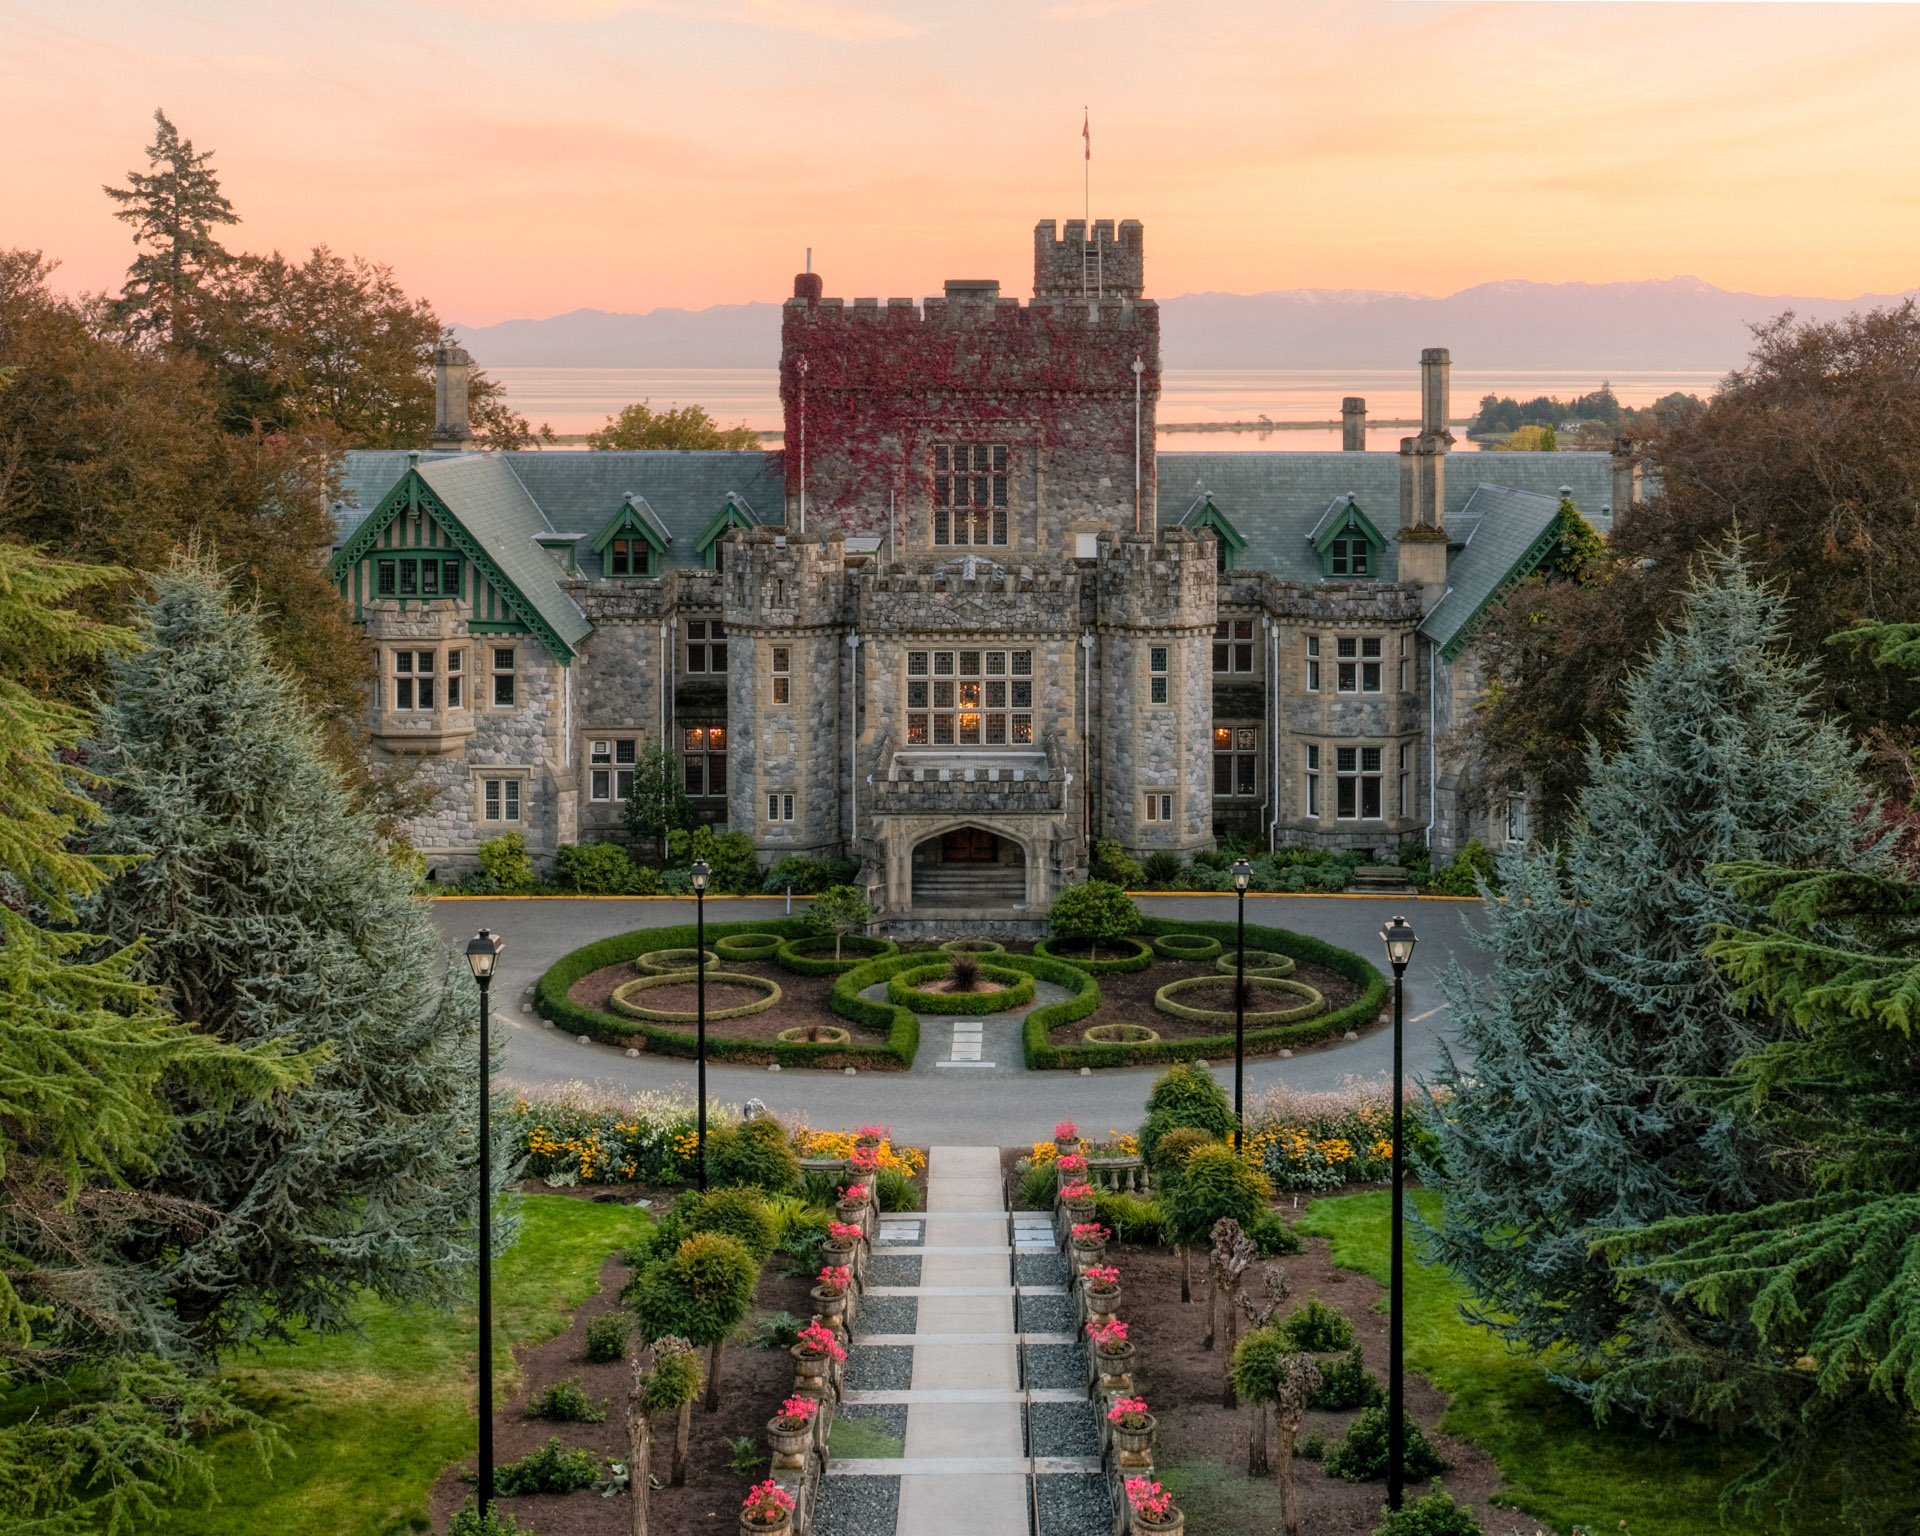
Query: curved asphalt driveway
column 929, row 1106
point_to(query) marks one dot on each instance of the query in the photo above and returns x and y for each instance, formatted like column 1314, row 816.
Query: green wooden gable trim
column 634, row 514
column 734, row 513
column 1525, row 566
column 1204, row 514
column 411, row 492
column 1344, row 525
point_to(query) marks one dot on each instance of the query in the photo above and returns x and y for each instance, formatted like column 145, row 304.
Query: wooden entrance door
column 969, row 845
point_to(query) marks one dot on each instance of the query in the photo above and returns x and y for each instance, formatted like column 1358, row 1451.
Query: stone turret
column 1083, row 266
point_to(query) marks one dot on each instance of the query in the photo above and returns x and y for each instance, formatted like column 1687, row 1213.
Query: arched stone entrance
column 968, row 869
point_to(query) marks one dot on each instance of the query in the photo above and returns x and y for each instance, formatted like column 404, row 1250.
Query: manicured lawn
column 1558, row 1465
column 372, row 1418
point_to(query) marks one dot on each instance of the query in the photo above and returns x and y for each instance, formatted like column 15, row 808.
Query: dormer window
column 1348, row 544
column 629, row 557
column 1349, row 557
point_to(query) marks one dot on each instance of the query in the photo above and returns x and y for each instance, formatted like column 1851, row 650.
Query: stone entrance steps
column 948, row 885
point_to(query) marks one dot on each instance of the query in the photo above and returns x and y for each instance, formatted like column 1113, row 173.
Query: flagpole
column 1086, row 168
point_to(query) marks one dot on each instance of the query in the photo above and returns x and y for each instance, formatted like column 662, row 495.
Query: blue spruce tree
column 272, row 913
column 1569, row 1111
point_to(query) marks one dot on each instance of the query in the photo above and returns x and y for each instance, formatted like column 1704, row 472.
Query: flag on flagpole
column 1086, row 132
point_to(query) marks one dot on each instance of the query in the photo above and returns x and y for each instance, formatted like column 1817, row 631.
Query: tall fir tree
column 272, row 912
column 173, row 207
column 1569, row 1110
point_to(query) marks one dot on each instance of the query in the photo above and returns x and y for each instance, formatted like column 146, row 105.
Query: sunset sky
column 527, row 157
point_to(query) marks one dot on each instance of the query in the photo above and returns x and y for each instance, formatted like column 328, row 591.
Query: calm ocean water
column 573, row 400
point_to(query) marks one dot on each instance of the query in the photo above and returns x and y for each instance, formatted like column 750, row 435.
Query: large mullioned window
column 969, row 698
column 970, row 493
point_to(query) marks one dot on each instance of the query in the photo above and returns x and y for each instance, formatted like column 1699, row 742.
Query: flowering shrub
column 1102, row 1277
column 796, row 1413
column 1109, row 1338
column 1128, row 1412
column 1074, row 1193
column 583, row 1135
column 817, row 1339
column 1149, row 1500
column 1090, row 1232
column 835, row 1278
column 767, row 1504
column 845, row 1231
column 1066, row 1130
column 1315, row 1141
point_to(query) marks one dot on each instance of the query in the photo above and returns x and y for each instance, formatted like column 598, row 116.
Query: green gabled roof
column 1342, row 514
column 1512, row 532
column 734, row 513
column 1204, row 514
column 634, row 513
column 485, row 510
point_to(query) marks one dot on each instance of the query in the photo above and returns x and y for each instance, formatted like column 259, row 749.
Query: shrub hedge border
column 1042, row 1054
column 973, row 947
column 655, row 963
column 903, row 988
column 1139, row 961
column 768, row 999
column 1312, row 1001
column 1204, row 947
column 748, row 946
column 1150, row 1036
column 552, row 1002
column 1227, row 965
column 809, row 965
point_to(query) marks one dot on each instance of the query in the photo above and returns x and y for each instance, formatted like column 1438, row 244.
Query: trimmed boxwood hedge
column 1260, row 962
column 552, row 1002
column 1186, row 946
column 662, row 962
column 1167, row 1001
column 1041, row 1053
column 623, row 996
column 758, row 945
column 973, row 947
column 903, row 987
column 1139, row 960
column 862, row 950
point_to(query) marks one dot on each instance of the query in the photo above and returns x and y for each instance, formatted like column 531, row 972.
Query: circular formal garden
column 1209, row 1000
column 955, row 987
column 748, row 946
column 661, row 962
column 1185, row 946
column 1260, row 962
column 972, row 947
column 1104, row 958
column 672, row 998
column 814, row 955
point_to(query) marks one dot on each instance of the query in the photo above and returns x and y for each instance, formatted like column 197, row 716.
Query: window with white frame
column 780, row 807
column 1157, row 674
column 1236, row 760
column 1159, row 807
column 970, row 493
column 1403, row 662
column 1233, row 645
column 1357, row 783
column 1516, row 818
column 413, row 680
column 502, row 676
column 610, row 767
column 706, row 645
column 500, row 800
column 1313, row 663
column 969, row 698
column 1313, row 783
column 456, row 679
column 780, row 664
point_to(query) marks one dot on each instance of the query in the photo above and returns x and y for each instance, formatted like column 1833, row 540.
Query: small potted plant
column 864, row 1160
column 1078, row 1199
column 843, row 1243
column 1071, row 1168
column 1153, row 1508
column 1102, row 1287
column 870, row 1135
column 830, row 1294
column 790, row 1433
column 816, row 1353
column 1066, row 1139
column 767, row 1510
column 1132, row 1428
column 1112, row 1355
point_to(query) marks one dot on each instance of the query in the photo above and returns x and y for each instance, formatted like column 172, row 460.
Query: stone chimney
column 1436, row 384
column 1423, row 483
column 1626, row 474
column 1353, row 425
column 452, row 367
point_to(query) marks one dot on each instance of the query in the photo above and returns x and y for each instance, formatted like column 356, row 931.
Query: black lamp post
column 1242, row 873
column 1399, row 939
column 483, row 953
column 701, row 874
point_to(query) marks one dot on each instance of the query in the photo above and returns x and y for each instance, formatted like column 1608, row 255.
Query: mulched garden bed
column 752, row 1384
column 803, row 1002
column 1204, row 1445
column 1127, row 998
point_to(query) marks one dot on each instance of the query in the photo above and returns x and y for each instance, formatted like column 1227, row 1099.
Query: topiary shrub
column 1274, row 1236
column 504, row 861
column 551, row 1469
column 756, row 1154
column 607, row 1337
column 1216, row 1184
column 739, row 1214
column 1317, row 1329
column 565, row 1402
column 1162, row 867
column 1266, row 1002
column 1362, row 1456
column 1095, row 913
column 838, row 911
column 1126, row 955
column 629, row 997
column 702, row 1293
column 1186, row 1095
column 895, row 1191
column 1346, row 1383
column 663, row 962
column 904, row 988
column 855, row 950
column 1434, row 1515
column 973, row 947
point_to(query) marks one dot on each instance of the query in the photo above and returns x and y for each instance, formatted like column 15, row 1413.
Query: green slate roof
column 1509, row 533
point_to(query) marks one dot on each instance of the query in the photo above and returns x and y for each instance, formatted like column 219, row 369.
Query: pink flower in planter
column 864, row 1159
column 1149, row 1499
column 873, row 1133
column 1066, row 1130
column 769, row 1504
column 797, row 1413
column 1073, row 1162
column 1075, row 1192
column 1102, row 1277
column 853, row 1194
column 1111, row 1337
column 835, row 1278
column 817, row 1339
column 1090, row 1232
column 1129, row 1412
column 846, row 1231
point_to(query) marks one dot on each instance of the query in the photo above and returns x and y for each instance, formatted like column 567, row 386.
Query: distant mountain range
column 1674, row 324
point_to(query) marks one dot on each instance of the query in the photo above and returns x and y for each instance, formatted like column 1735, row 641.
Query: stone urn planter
column 753, row 1525
column 1135, row 1446
column 790, row 1446
column 830, row 1307
column 1102, row 1305
column 810, row 1371
column 840, row 1254
column 1116, row 1369
column 1173, row 1525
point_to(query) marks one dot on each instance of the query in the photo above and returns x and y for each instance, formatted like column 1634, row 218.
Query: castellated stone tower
column 1157, row 604
column 1078, row 267
column 785, row 601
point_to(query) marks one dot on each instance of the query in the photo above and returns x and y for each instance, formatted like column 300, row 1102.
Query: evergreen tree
column 173, row 207
column 273, row 913
column 658, row 804
column 1568, row 1110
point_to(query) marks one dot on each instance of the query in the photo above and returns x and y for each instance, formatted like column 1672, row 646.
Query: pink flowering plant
column 872, row 1133
column 853, row 1194
column 865, row 1159
column 769, row 1504
column 1108, row 1338
column 1129, row 1412
column 1073, row 1162
column 1073, row 1193
column 1102, row 1277
column 1150, row 1501
column 846, row 1231
column 1090, row 1232
column 1066, row 1130
column 835, row 1278
column 816, row 1340
column 796, row 1413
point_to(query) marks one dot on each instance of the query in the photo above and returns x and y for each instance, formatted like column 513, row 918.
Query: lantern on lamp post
column 483, row 954
column 1242, row 873
column 1399, row 938
column 701, row 873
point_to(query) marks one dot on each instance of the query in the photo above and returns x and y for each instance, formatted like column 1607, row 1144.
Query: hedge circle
column 658, row 962
column 1186, row 946
column 856, row 949
column 972, row 947
column 903, row 989
column 1121, row 1034
column 623, row 995
column 1267, row 963
column 1138, row 959
column 830, row 1034
column 1255, row 1018
column 747, row 946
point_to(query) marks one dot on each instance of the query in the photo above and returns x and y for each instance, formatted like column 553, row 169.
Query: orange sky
column 525, row 157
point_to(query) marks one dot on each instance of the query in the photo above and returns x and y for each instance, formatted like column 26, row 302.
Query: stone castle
column 968, row 621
